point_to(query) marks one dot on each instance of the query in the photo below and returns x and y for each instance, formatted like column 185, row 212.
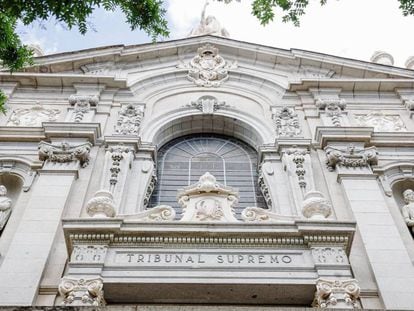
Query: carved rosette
column 101, row 205
column 333, row 108
column 82, row 292
column 286, row 122
column 33, row 116
column 64, row 153
column 350, row 157
column 208, row 200
column 382, row 122
column 208, row 68
column 315, row 206
column 82, row 105
column 336, row 294
column 129, row 120
column 207, row 104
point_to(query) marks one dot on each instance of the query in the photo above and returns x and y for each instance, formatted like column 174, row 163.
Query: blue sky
column 349, row 28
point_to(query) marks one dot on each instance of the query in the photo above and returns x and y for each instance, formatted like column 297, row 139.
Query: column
column 23, row 266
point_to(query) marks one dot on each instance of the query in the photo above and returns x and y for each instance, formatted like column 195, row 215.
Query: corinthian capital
column 350, row 157
column 64, row 153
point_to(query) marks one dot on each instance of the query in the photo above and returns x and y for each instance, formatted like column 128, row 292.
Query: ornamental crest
column 129, row 120
column 208, row 68
column 286, row 122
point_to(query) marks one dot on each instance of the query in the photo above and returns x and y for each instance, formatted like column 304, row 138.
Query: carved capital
column 129, row 120
column 286, row 122
column 207, row 200
column 101, row 205
column 333, row 108
column 315, row 206
column 64, row 153
column 82, row 292
column 336, row 294
column 82, row 104
column 350, row 157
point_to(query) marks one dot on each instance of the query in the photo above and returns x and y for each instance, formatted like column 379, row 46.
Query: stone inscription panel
column 209, row 259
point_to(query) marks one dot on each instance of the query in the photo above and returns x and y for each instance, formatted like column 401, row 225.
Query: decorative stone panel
column 33, row 116
column 286, row 122
column 381, row 122
column 207, row 104
column 129, row 120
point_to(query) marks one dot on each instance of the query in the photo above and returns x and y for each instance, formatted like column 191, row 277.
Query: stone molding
column 129, row 120
column 207, row 200
column 350, row 157
column 82, row 104
column 325, row 135
column 20, row 168
column 286, row 122
column 208, row 68
column 33, row 116
column 392, row 173
column 82, row 292
column 64, row 153
column 336, row 294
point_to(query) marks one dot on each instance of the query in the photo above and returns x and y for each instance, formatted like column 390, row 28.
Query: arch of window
column 182, row 161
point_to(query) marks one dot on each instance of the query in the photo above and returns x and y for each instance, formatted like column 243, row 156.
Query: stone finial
column 350, row 157
column 82, row 292
column 5, row 207
column 408, row 209
column 315, row 206
column 101, row 205
column 336, row 294
column 64, row 153
column 381, row 57
column 409, row 63
column 207, row 200
column 208, row 26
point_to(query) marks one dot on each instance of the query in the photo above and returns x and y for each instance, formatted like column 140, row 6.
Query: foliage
column 147, row 15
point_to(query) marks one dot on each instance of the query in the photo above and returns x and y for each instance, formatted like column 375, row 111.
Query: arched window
column 182, row 161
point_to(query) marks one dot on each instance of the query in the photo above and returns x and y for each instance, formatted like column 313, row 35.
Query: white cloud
column 348, row 28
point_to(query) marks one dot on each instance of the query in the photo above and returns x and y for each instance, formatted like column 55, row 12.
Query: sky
column 347, row 28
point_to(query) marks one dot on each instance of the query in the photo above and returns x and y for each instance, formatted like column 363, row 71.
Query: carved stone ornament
column 88, row 254
column 5, row 207
column 64, row 153
column 257, row 214
column 263, row 186
column 333, row 108
column 82, row 292
column 382, row 122
column 338, row 294
column 33, row 116
column 151, row 186
column 208, row 68
column 129, row 120
column 329, row 255
column 286, row 122
column 409, row 103
column 350, row 157
column 154, row 214
column 315, row 206
column 82, row 105
column 101, row 205
column 207, row 104
column 408, row 209
column 298, row 157
column 208, row 200
column 208, row 26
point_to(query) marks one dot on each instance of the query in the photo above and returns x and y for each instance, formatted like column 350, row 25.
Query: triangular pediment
column 294, row 64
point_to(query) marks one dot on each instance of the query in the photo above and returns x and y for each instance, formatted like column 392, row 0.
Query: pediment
column 291, row 65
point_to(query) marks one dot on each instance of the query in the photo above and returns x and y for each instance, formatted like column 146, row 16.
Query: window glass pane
column 182, row 161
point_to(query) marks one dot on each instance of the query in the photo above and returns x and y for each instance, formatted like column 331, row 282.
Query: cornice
column 326, row 134
column 120, row 232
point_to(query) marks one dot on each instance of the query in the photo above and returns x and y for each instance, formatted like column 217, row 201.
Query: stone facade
column 322, row 215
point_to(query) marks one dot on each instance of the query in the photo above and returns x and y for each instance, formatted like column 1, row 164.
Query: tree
column 147, row 15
